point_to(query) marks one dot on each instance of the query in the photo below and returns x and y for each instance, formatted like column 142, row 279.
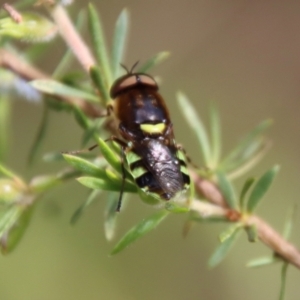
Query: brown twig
column 71, row 37
column 208, row 190
column 29, row 72
column 14, row 14
column 10, row 61
column 275, row 241
column 265, row 232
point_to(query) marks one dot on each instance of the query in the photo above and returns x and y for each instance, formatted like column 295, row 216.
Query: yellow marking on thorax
column 153, row 128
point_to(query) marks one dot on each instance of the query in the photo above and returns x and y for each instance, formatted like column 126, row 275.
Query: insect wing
column 165, row 168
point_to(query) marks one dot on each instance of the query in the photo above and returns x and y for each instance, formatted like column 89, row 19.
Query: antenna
column 132, row 68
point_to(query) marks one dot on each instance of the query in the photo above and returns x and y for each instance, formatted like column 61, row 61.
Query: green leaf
column 176, row 208
column 283, row 280
column 252, row 233
column 262, row 262
column 109, row 155
column 53, row 157
column 99, row 45
column 16, row 229
column 140, row 230
column 100, row 184
column 100, row 84
column 111, row 215
column 81, row 209
column 32, row 28
column 261, row 187
column 92, row 130
column 57, row 106
column 53, row 87
column 222, row 250
column 7, row 221
column 85, row 166
column 39, row 137
column 67, row 174
column 82, row 120
column 8, row 218
column 250, row 160
column 247, row 185
column 115, row 178
column 5, row 105
column 228, row 232
column 43, row 183
column 196, row 125
column 227, row 190
column 288, row 225
column 119, row 42
column 216, row 136
column 154, row 61
column 6, row 172
column 246, row 148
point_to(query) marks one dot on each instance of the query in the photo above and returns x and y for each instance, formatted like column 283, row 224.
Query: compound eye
column 146, row 79
column 128, row 82
column 132, row 80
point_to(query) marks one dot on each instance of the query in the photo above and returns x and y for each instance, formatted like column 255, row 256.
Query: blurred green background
column 242, row 55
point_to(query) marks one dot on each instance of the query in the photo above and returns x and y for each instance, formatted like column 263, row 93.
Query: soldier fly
column 147, row 142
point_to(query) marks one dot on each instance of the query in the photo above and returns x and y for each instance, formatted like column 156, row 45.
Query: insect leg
column 75, row 152
column 123, row 180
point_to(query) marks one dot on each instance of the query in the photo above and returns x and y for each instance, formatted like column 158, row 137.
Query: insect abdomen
column 157, row 170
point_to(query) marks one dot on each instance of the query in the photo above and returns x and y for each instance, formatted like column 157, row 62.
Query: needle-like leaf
column 100, row 184
column 100, row 84
column 216, row 144
column 39, row 137
column 99, row 44
column 249, row 146
column 196, row 124
column 81, row 209
column 223, row 249
column 288, row 225
column 13, row 226
column 4, row 121
column 52, row 87
column 262, row 261
column 260, row 188
column 111, row 215
column 153, row 61
column 283, row 280
column 85, row 166
column 119, row 42
column 140, row 230
column 227, row 190
column 247, row 185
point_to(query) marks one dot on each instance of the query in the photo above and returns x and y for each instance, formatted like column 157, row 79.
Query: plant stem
column 266, row 233
column 68, row 32
column 29, row 72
